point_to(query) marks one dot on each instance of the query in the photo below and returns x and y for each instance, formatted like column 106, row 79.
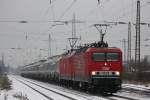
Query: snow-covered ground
column 138, row 87
column 21, row 90
column 142, row 92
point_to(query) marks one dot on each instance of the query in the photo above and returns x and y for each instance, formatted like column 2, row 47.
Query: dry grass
column 5, row 83
column 20, row 96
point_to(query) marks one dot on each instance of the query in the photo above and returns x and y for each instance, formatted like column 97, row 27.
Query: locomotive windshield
column 112, row 56
column 99, row 56
column 105, row 56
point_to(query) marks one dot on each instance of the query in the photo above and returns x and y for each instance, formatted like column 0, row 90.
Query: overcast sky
column 30, row 40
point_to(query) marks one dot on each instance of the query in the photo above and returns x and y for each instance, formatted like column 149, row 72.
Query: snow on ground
column 19, row 89
column 65, row 91
column 121, row 93
column 72, row 93
column 139, row 95
column 133, row 95
column 138, row 87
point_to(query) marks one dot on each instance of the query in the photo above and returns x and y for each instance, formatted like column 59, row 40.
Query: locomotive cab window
column 105, row 56
column 98, row 56
column 112, row 56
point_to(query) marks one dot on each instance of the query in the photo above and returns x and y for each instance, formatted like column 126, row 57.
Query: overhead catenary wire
column 62, row 15
column 51, row 2
column 129, row 12
column 48, row 30
column 68, row 8
column 97, row 7
column 123, row 10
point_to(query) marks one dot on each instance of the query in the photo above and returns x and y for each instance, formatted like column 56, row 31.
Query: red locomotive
column 95, row 67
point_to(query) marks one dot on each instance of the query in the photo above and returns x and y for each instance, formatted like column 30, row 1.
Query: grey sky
column 39, row 13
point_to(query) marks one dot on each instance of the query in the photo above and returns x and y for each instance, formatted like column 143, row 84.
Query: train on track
column 94, row 67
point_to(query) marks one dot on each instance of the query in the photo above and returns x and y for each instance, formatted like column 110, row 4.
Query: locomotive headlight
column 117, row 73
column 93, row 73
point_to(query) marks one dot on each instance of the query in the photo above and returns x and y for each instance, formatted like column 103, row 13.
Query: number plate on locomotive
column 105, row 73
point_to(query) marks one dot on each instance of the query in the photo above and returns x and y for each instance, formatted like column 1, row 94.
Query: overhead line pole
column 137, row 42
column 129, row 46
column 73, row 40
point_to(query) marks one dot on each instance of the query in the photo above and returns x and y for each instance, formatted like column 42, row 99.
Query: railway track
column 133, row 90
column 71, row 94
column 85, row 96
column 35, row 90
column 136, row 89
column 46, row 96
column 123, row 97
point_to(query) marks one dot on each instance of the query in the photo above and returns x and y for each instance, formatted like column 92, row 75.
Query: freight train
column 94, row 67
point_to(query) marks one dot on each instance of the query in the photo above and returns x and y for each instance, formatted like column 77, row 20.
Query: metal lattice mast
column 73, row 31
column 129, row 45
column 137, row 43
column 74, row 38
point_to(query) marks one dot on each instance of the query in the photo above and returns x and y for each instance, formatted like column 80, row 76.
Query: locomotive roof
column 109, row 49
column 87, row 49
